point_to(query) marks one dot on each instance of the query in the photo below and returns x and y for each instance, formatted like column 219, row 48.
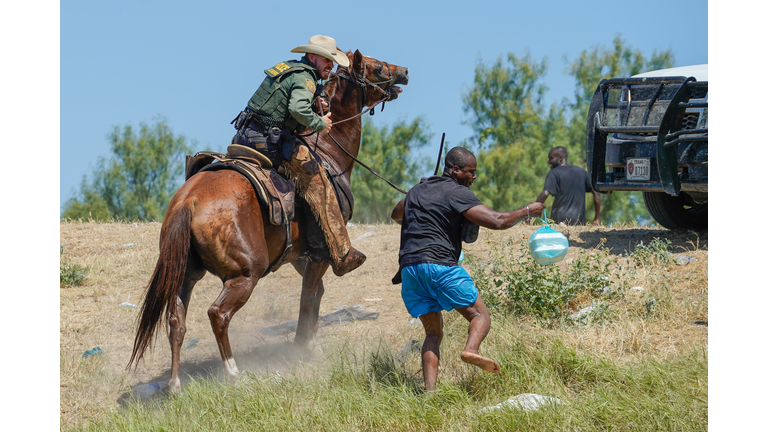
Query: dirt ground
column 121, row 256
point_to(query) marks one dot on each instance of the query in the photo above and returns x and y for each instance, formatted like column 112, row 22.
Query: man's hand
column 328, row 123
column 535, row 208
column 323, row 104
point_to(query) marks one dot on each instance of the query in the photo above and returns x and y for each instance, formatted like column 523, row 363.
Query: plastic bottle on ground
column 92, row 352
column 146, row 390
column 683, row 260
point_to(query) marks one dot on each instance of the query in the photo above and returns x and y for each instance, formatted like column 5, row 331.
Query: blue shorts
column 433, row 288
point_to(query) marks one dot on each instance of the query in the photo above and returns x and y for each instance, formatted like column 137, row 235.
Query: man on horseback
column 284, row 106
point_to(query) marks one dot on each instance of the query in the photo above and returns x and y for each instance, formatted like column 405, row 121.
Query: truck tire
column 676, row 212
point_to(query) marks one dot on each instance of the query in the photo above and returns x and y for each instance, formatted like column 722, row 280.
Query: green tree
column 514, row 130
column 388, row 152
column 592, row 66
column 137, row 181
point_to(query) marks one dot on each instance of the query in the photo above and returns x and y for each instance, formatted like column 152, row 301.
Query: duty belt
column 265, row 120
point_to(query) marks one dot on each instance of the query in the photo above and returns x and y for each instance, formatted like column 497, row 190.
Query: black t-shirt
column 568, row 184
column 432, row 221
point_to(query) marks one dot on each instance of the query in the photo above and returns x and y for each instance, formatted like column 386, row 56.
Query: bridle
column 388, row 92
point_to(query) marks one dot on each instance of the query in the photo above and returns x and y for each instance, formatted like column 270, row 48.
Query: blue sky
column 197, row 63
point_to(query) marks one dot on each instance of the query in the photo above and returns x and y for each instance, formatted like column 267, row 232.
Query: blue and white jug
column 547, row 245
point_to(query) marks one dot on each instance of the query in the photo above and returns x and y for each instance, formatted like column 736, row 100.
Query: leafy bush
column 517, row 284
column 654, row 253
column 70, row 274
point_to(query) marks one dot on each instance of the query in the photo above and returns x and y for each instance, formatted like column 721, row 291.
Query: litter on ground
column 410, row 347
column 343, row 314
column 525, row 402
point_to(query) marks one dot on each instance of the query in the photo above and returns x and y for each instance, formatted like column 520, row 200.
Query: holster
column 271, row 141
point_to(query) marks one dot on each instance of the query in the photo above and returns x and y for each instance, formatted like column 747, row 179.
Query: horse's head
column 377, row 78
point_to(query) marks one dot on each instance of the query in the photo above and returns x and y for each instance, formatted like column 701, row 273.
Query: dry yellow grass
column 121, row 256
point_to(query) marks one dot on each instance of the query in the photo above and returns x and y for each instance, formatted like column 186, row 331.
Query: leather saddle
column 275, row 192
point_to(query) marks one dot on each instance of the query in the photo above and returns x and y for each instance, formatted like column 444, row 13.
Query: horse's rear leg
column 312, row 291
column 177, row 322
column 234, row 295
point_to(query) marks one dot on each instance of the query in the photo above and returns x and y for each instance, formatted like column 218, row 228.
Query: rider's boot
column 316, row 189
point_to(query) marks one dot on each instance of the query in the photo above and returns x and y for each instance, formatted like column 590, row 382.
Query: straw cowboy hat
column 324, row 46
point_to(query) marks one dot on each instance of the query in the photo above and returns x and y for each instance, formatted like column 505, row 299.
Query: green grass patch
column 514, row 283
column 373, row 391
column 70, row 274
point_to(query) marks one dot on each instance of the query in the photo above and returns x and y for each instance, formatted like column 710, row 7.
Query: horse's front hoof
column 174, row 386
column 232, row 379
column 231, row 372
column 305, row 346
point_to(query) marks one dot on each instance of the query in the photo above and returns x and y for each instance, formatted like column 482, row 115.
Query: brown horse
column 215, row 223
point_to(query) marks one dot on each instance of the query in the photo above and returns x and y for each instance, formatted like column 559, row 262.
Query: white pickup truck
column 649, row 133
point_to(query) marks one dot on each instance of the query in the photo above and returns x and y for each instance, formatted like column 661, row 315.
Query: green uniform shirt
column 291, row 91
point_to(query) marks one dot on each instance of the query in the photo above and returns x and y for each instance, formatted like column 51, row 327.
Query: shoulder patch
column 310, row 85
column 278, row 69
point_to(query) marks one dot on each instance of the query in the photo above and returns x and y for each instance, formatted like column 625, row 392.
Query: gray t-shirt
column 568, row 184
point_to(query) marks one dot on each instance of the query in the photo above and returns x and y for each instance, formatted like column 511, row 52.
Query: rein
column 366, row 166
column 364, row 83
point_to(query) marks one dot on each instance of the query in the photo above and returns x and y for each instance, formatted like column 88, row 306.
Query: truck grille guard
column 662, row 102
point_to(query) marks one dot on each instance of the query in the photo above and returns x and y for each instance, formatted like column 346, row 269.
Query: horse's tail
column 166, row 281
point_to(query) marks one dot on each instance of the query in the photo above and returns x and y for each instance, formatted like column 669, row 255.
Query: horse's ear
column 357, row 61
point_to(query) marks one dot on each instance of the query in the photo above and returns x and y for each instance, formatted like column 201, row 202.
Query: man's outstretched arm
column 489, row 218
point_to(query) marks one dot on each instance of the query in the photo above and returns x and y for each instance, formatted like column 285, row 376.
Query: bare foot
column 483, row 363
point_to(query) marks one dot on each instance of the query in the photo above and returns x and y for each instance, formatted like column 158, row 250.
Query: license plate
column 639, row 169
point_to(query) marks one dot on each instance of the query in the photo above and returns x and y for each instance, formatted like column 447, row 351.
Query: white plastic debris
column 343, row 314
column 368, row 234
column 373, row 299
column 637, row 288
column 126, row 304
column 412, row 346
column 356, row 308
column 146, row 390
column 130, row 244
column 414, row 322
column 684, row 260
column 525, row 402
column 275, row 377
column 582, row 312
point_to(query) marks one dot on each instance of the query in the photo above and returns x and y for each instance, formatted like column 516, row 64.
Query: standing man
column 568, row 184
column 432, row 216
column 282, row 107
